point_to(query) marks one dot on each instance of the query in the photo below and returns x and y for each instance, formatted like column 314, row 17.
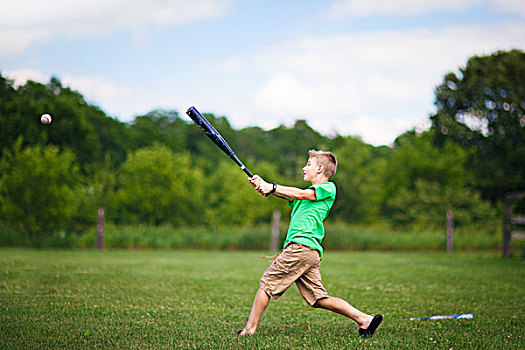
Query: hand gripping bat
column 217, row 139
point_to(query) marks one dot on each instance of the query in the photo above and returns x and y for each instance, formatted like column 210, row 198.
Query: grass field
column 198, row 299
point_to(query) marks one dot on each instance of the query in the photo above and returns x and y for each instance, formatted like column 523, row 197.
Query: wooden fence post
column 100, row 229
column 275, row 230
column 510, row 220
column 450, row 228
column 507, row 228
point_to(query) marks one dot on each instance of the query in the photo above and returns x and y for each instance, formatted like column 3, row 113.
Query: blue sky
column 361, row 68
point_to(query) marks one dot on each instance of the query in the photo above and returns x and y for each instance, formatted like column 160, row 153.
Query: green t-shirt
column 306, row 223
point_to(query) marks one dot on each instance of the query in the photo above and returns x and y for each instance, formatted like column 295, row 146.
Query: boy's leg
column 311, row 287
column 283, row 272
column 260, row 303
column 341, row 307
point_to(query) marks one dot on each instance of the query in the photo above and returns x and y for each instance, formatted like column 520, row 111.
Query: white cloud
column 96, row 90
column 290, row 95
column 513, row 6
column 227, row 65
column 359, row 8
column 14, row 42
column 113, row 98
column 376, row 85
column 21, row 76
column 24, row 22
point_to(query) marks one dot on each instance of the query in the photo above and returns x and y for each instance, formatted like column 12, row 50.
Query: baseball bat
column 214, row 135
column 440, row 317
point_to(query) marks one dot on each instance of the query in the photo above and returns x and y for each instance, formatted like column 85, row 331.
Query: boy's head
column 326, row 159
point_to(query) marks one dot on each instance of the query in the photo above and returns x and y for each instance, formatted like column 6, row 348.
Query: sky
column 365, row 68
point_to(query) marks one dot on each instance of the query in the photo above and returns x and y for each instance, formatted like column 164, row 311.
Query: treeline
column 159, row 169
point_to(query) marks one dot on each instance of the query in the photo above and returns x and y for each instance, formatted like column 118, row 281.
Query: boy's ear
column 320, row 168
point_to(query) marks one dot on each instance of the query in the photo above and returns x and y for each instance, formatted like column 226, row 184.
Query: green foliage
column 426, row 206
column 231, row 201
column 339, row 236
column 483, row 107
column 77, row 126
column 158, row 126
column 156, row 186
column 39, row 190
column 358, row 182
column 423, row 182
column 161, row 170
column 383, row 238
column 169, row 237
column 103, row 181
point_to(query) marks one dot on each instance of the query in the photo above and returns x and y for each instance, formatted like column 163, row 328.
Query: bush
column 39, row 191
column 156, row 186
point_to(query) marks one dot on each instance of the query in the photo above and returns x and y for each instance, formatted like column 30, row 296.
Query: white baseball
column 45, row 119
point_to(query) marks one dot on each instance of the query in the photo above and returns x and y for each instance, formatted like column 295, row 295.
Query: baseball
column 45, row 119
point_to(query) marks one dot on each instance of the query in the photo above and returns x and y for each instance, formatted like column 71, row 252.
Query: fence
column 511, row 221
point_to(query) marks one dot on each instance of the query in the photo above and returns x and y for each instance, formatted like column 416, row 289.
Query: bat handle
column 247, row 171
column 236, row 159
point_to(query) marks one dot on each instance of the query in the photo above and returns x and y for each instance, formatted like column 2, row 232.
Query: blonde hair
column 326, row 159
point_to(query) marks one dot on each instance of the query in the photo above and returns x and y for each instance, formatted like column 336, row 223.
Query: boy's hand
column 260, row 185
column 255, row 181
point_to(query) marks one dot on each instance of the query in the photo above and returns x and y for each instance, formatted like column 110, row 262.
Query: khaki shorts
column 296, row 263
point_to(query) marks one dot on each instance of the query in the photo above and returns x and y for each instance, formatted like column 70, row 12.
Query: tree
column 483, row 107
column 19, row 112
column 38, row 190
column 82, row 128
column 113, row 136
column 232, row 201
column 357, row 179
column 161, row 126
column 287, row 148
column 156, row 186
column 8, row 131
column 423, row 181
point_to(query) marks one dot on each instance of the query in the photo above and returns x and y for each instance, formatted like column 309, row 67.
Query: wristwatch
column 273, row 189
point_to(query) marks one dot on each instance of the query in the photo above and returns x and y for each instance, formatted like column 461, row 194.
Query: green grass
column 198, row 299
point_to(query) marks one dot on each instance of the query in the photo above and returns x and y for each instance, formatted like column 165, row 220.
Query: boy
column 300, row 259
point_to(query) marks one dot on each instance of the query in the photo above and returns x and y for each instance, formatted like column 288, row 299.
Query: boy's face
column 310, row 170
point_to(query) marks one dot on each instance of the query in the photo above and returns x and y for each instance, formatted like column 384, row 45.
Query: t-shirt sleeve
column 324, row 191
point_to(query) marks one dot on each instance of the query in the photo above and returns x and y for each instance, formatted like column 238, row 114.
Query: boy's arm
column 291, row 193
column 284, row 192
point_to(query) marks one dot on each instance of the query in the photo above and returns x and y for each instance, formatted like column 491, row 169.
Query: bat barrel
column 209, row 130
column 214, row 135
column 201, row 122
